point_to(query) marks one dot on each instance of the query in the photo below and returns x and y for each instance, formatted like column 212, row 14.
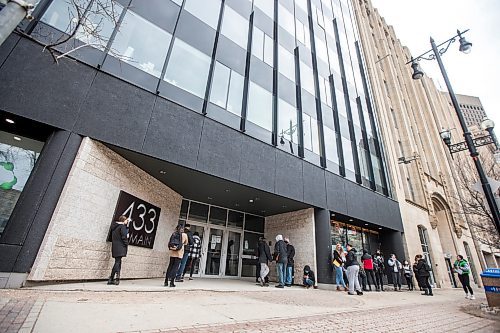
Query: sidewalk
column 215, row 305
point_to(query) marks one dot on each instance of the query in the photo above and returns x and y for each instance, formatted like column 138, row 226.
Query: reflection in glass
column 260, row 106
column 218, row 215
column 307, row 78
column 184, row 209
column 266, row 6
column 63, row 15
column 188, row 68
column 227, row 89
column 233, row 253
column 254, row 223
column 338, row 234
column 286, row 19
column 286, row 63
column 214, row 252
column 287, row 121
column 198, row 212
column 235, row 27
column 262, row 46
column 325, row 93
column 348, row 155
column 235, row 219
column 17, row 160
column 206, row 10
column 331, row 144
column 133, row 41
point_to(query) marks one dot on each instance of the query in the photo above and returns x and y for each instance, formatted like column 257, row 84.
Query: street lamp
column 469, row 143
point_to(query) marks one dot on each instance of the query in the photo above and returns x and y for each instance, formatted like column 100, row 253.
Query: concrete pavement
column 207, row 305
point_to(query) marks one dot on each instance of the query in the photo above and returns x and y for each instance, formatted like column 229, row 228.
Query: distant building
column 471, row 108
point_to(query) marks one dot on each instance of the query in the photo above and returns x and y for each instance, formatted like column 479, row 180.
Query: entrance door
column 214, row 251
column 233, row 254
column 197, row 264
column 450, row 272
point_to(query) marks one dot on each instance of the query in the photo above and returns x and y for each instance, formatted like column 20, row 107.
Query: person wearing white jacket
column 396, row 268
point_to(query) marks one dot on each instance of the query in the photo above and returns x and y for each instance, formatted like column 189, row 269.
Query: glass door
column 233, row 253
column 200, row 231
column 214, row 251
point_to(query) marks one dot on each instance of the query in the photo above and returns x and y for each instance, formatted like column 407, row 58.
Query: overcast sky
column 476, row 73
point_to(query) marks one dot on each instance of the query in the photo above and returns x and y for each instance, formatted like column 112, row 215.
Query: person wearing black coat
column 308, row 279
column 280, row 254
column 119, row 246
column 352, row 266
column 264, row 255
column 423, row 274
column 290, row 253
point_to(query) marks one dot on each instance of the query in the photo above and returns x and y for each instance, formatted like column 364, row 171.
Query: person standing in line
column 368, row 267
column 423, row 273
column 379, row 266
column 415, row 272
column 281, row 260
column 462, row 268
column 290, row 252
column 194, row 254
column 178, row 240
column 396, row 268
column 119, row 247
column 264, row 256
column 338, row 264
column 408, row 273
column 187, row 249
column 352, row 266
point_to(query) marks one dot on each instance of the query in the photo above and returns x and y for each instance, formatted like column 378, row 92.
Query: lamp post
column 469, row 143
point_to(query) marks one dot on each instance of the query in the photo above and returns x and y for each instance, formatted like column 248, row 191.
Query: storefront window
column 18, row 156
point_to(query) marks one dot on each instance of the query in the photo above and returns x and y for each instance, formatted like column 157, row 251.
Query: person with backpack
column 423, row 273
column 396, row 268
column 379, row 268
column 119, row 246
column 462, row 268
column 408, row 273
column 280, row 255
column 367, row 261
column 176, row 244
column 179, row 276
column 194, row 254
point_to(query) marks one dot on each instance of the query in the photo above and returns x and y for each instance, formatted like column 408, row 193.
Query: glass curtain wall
column 291, row 75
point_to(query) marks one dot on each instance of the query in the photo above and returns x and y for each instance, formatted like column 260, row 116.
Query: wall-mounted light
column 10, row 121
column 17, row 138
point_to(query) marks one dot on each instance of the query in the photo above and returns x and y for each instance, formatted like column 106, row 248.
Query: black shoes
column 111, row 281
column 360, row 293
column 279, row 286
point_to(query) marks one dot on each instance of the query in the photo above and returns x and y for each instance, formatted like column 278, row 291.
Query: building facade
column 241, row 118
column 471, row 109
column 412, row 114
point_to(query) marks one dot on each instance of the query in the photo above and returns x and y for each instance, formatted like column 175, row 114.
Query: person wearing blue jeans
column 309, row 279
column 290, row 251
column 281, row 258
column 338, row 264
column 187, row 250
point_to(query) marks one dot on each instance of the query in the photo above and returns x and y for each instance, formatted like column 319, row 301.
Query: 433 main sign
column 144, row 219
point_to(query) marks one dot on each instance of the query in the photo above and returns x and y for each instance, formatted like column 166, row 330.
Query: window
column 348, row 154
column 321, row 50
column 260, row 106
column 266, row 6
column 311, row 134
column 61, row 15
column 262, row 46
column 218, row 215
column 227, row 89
column 235, row 219
column 286, row 63
column 133, row 41
column 18, row 156
column 319, row 16
column 302, row 4
column 285, row 19
column 188, row 68
column 287, row 121
column 326, row 96
column 235, row 27
column 307, row 78
column 301, row 32
column 206, row 10
column 330, row 144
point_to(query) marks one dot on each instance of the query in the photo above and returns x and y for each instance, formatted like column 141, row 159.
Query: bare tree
column 85, row 23
column 473, row 202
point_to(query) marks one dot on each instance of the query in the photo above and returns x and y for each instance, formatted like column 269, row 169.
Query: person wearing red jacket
column 370, row 274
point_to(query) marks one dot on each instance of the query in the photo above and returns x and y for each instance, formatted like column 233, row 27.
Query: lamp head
column 282, row 140
column 487, row 124
column 446, row 136
column 417, row 71
column 465, row 46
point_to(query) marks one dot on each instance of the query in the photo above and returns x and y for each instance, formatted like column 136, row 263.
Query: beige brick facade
column 299, row 227
column 411, row 114
column 75, row 247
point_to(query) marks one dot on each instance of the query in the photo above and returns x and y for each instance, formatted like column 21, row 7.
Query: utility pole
column 11, row 15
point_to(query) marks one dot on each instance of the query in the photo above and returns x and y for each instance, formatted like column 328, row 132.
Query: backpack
column 427, row 267
column 175, row 242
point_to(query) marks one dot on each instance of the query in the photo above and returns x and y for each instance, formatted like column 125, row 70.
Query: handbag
column 336, row 263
